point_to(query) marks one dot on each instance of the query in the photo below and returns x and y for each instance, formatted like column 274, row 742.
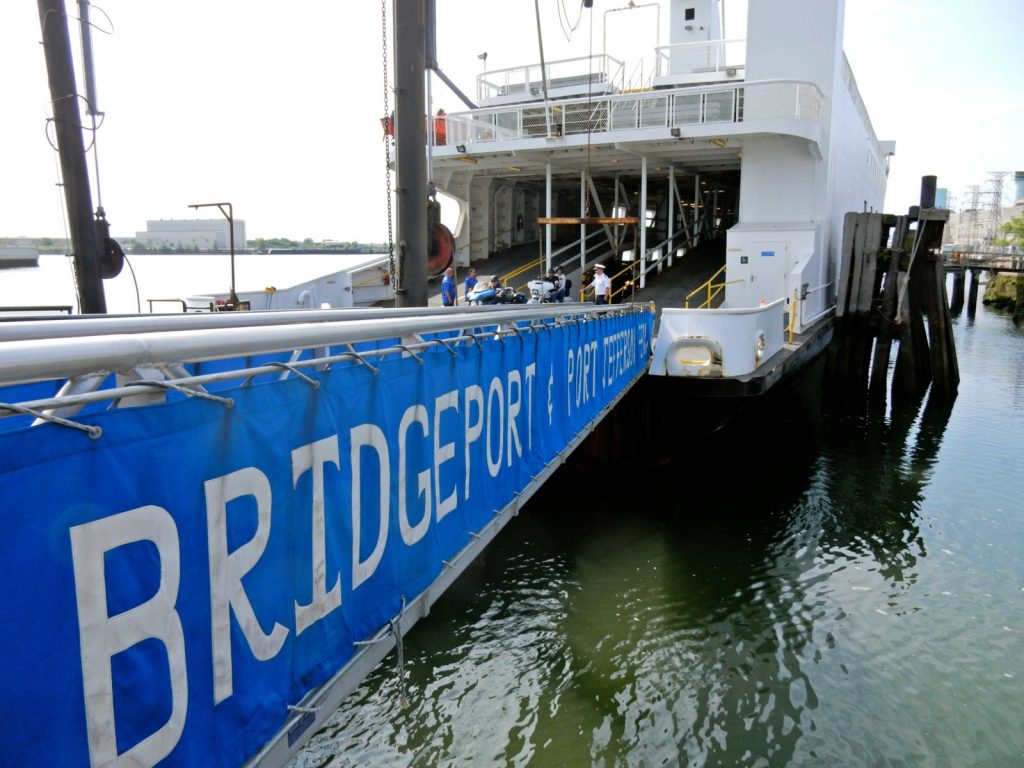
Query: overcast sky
column 275, row 106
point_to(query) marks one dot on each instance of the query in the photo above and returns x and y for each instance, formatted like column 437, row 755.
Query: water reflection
column 776, row 598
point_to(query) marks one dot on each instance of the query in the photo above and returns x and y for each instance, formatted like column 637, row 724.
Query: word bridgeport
column 430, row 461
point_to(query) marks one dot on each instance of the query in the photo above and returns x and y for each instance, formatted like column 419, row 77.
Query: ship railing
column 656, row 256
column 710, row 288
column 694, row 61
column 528, row 82
column 659, row 108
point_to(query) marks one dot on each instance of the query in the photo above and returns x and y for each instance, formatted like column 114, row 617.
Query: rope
column 910, row 265
column 396, row 630
column 387, row 153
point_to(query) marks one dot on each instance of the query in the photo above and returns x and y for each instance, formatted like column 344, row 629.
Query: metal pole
column 67, row 123
column 642, row 213
column 671, row 214
column 583, row 213
column 231, row 236
column 229, row 214
column 547, row 207
column 411, row 160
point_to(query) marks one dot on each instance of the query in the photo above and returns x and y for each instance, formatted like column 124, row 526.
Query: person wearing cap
column 602, row 286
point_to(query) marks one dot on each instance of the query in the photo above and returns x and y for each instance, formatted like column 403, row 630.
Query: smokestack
column 1018, row 180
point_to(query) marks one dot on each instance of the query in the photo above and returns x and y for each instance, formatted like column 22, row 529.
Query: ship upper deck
column 693, row 113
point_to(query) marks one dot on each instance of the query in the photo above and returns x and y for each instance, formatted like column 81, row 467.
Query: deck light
column 461, row 148
column 674, row 131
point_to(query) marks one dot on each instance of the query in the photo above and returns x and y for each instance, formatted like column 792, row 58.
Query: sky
column 275, row 107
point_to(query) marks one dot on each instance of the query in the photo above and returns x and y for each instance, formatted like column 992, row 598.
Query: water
column 844, row 592
column 166, row 276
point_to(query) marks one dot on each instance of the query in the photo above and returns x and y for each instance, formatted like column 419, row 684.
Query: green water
column 844, row 590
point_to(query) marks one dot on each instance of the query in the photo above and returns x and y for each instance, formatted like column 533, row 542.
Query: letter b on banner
column 103, row 636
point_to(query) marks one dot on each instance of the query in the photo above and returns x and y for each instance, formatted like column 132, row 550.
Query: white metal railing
column 26, row 357
column 527, row 81
column 701, row 58
column 664, row 108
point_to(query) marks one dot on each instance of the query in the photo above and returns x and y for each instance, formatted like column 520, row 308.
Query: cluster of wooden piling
column 892, row 284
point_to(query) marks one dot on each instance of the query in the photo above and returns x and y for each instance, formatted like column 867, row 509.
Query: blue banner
column 171, row 588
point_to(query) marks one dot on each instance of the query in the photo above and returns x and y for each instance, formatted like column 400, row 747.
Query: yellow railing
column 712, row 288
column 792, row 316
column 528, row 267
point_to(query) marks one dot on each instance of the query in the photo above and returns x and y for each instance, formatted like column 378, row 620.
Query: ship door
column 769, row 262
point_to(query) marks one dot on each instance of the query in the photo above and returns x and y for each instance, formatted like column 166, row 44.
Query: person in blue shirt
column 448, row 288
column 470, row 281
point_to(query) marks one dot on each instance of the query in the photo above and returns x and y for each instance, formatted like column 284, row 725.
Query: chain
column 387, row 153
column 590, row 116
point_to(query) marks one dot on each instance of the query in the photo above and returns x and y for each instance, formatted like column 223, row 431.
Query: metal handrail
column 507, row 81
column 182, row 302
column 761, row 99
column 537, row 321
column 706, row 285
column 716, row 56
column 712, row 288
column 54, row 358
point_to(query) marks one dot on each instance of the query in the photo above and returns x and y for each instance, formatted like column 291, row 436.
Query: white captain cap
column 599, row 266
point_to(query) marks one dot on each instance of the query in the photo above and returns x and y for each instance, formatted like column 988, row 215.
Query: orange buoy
column 442, row 249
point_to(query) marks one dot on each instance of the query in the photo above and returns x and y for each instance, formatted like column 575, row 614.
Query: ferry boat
column 754, row 148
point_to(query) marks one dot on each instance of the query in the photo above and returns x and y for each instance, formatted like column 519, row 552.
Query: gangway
column 216, row 525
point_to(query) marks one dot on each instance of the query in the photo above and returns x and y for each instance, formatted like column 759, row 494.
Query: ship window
column 690, row 14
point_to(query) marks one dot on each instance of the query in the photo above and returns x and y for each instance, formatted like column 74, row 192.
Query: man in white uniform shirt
column 602, row 286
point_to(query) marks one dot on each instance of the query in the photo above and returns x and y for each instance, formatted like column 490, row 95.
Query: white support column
column 687, row 232
column 595, row 201
column 671, row 213
column 643, row 221
column 696, row 207
column 714, row 208
column 548, row 213
column 615, row 212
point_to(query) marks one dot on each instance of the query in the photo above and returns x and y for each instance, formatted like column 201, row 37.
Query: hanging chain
column 590, row 116
column 387, row 152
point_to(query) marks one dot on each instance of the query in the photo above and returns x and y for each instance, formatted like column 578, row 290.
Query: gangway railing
column 289, row 494
column 711, row 288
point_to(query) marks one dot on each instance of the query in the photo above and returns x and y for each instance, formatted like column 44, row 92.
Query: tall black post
column 928, row 191
column 410, row 151
column 67, row 123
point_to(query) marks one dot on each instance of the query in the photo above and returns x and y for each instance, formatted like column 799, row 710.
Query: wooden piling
column 956, row 305
column 887, row 293
column 972, row 292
